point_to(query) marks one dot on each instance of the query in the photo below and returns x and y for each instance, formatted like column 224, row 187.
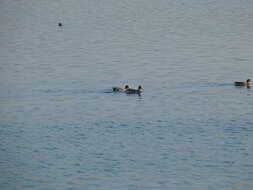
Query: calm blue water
column 62, row 128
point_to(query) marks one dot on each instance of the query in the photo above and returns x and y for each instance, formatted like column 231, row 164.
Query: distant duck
column 247, row 83
column 134, row 91
column 118, row 89
column 60, row 24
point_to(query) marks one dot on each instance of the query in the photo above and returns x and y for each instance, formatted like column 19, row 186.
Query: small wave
column 87, row 91
column 53, row 91
column 77, row 91
column 216, row 84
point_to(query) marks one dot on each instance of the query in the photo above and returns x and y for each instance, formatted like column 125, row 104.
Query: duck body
column 119, row 89
column 134, row 91
column 240, row 83
column 246, row 84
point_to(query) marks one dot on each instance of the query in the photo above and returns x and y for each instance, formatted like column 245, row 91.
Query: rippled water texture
column 62, row 127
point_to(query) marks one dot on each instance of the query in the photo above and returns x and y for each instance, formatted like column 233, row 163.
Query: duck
column 247, row 83
column 134, row 91
column 60, row 24
column 118, row 89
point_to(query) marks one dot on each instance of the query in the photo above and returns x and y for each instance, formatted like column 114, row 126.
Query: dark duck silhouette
column 246, row 84
column 118, row 89
column 134, row 91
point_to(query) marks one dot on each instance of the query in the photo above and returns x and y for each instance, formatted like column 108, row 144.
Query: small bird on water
column 60, row 24
column 246, row 84
column 118, row 89
column 134, row 91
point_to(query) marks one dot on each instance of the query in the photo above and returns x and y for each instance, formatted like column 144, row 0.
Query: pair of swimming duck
column 246, row 84
column 128, row 90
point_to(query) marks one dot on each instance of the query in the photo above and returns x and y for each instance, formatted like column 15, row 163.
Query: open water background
column 62, row 128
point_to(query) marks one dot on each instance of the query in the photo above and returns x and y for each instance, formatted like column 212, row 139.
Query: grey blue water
column 62, row 127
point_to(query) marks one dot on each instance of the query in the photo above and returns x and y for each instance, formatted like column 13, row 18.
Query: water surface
column 61, row 126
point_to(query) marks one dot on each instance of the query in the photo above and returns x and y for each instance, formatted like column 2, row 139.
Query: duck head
column 140, row 87
column 248, row 83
